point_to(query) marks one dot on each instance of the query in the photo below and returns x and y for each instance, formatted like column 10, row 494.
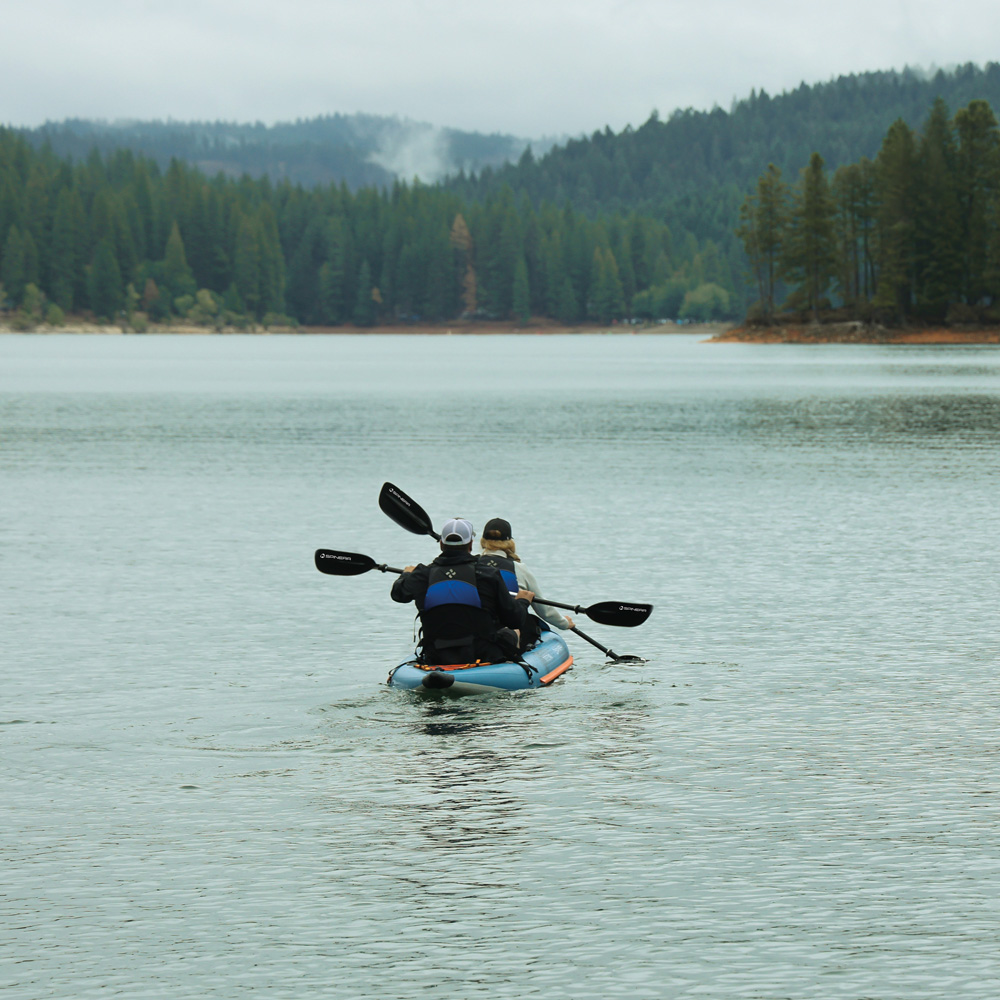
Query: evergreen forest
column 663, row 221
column 117, row 237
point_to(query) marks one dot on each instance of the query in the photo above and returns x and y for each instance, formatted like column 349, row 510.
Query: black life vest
column 454, row 620
column 507, row 567
column 533, row 627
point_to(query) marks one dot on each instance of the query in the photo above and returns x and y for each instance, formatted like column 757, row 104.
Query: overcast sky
column 528, row 67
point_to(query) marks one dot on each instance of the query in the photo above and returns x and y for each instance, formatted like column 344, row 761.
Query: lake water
column 208, row 791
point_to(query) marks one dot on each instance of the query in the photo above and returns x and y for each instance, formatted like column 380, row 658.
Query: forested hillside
column 693, row 169
column 118, row 238
column 358, row 150
column 693, row 153
column 912, row 233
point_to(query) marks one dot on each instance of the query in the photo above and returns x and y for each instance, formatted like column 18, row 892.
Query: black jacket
column 464, row 634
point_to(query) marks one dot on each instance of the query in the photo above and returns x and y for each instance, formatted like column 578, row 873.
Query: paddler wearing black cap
column 500, row 552
column 466, row 610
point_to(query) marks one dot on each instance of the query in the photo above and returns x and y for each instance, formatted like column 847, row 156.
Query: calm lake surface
column 208, row 791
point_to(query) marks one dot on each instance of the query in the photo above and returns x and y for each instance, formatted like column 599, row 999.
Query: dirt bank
column 458, row 328
column 856, row 333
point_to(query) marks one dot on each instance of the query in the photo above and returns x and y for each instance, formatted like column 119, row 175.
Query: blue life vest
column 456, row 626
column 452, row 585
column 533, row 626
column 507, row 567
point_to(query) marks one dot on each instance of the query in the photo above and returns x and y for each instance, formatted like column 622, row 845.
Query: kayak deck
column 539, row 667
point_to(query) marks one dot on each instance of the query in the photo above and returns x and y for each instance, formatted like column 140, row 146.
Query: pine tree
column 12, row 266
column 68, row 249
column 177, row 279
column 937, row 225
column 978, row 181
column 553, row 273
column 763, row 229
column 895, row 170
column 364, row 306
column 32, row 260
column 247, row 268
column 272, row 262
column 607, row 297
column 567, row 307
column 808, row 258
column 39, row 208
column 441, row 299
column 105, row 282
column 854, row 220
column 143, row 191
column 501, row 249
column 521, row 292
column 332, row 276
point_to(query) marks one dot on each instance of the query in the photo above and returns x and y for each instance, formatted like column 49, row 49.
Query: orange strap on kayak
column 558, row 672
column 547, row 679
column 451, row 666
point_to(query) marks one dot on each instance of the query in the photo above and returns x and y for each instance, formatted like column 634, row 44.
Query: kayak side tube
column 539, row 667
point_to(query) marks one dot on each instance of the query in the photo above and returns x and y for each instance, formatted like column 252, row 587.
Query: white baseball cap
column 457, row 531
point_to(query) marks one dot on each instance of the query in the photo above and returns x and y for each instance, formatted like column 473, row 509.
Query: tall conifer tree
column 763, row 229
column 68, row 242
column 978, row 169
column 106, row 290
column 364, row 305
column 937, row 236
column 895, row 177
column 809, row 258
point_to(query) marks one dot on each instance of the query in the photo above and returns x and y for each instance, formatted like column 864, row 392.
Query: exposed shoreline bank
column 457, row 328
column 856, row 333
column 716, row 333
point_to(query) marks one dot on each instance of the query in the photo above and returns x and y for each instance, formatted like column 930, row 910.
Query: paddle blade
column 616, row 613
column 407, row 513
column 343, row 563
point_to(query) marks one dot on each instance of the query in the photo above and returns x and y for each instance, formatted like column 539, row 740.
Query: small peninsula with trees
column 905, row 246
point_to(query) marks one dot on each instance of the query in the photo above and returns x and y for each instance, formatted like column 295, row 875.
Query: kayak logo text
column 405, row 501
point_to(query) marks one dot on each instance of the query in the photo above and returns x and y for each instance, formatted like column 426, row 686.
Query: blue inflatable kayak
column 539, row 667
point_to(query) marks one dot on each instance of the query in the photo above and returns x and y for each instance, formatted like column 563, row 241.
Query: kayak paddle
column 405, row 512
column 348, row 563
column 335, row 563
column 608, row 612
column 408, row 514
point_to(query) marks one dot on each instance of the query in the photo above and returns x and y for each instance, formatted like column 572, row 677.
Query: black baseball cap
column 498, row 529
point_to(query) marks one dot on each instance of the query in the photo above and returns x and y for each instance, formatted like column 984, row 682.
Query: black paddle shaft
column 609, row 653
